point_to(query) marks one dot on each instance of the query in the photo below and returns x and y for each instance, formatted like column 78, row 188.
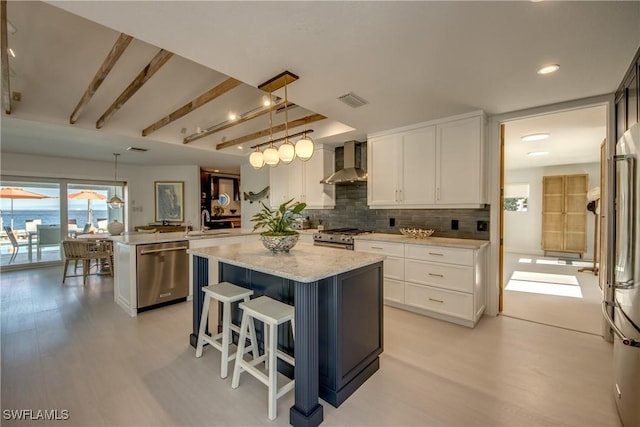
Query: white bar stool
column 227, row 293
column 272, row 313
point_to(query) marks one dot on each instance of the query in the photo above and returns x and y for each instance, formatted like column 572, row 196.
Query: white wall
column 254, row 181
column 140, row 181
column 523, row 230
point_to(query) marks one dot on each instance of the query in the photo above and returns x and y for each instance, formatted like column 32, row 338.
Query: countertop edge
column 207, row 253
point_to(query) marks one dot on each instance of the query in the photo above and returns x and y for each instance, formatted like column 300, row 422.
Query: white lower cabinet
column 393, row 266
column 444, row 282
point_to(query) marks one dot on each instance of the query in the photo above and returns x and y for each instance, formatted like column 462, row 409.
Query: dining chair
column 86, row 251
column 14, row 243
column 72, row 227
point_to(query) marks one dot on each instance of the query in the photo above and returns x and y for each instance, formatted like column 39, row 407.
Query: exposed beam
column 208, row 96
column 147, row 72
column 116, row 51
column 279, row 128
column 4, row 45
column 244, row 118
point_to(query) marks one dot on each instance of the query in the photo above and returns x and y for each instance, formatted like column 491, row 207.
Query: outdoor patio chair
column 86, row 251
column 48, row 235
column 14, row 243
column 102, row 224
column 72, row 227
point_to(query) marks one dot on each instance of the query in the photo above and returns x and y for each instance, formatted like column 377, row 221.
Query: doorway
column 557, row 287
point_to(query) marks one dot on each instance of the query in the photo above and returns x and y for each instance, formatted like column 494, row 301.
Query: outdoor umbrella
column 18, row 193
column 89, row 195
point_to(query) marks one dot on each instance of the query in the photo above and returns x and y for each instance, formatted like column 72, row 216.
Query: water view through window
column 36, row 216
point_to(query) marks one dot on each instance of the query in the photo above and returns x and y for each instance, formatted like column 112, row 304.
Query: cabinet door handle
column 436, row 300
column 401, row 196
column 438, row 193
column 435, row 254
column 396, row 196
column 436, row 275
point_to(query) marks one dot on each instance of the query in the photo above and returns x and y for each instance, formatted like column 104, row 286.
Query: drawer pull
column 436, row 300
column 436, row 275
column 435, row 253
column 376, row 247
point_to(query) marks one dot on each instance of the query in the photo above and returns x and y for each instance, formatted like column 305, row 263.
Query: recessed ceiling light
column 232, row 116
column 11, row 52
column 535, row 137
column 548, row 69
column 537, row 153
column 240, row 147
column 216, row 170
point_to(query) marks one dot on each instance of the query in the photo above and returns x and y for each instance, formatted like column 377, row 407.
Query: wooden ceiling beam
column 147, row 72
column 198, row 102
column 265, row 132
column 4, row 45
column 244, row 118
column 114, row 54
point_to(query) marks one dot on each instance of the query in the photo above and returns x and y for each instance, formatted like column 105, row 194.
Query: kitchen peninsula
column 337, row 295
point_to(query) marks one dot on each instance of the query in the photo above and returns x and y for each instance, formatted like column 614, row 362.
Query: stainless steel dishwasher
column 163, row 273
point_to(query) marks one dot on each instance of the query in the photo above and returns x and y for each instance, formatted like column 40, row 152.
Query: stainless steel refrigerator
column 626, row 286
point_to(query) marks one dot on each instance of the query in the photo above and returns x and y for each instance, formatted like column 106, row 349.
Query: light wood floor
column 72, row 348
column 581, row 314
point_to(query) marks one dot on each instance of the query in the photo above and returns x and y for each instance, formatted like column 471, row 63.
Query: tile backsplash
column 351, row 211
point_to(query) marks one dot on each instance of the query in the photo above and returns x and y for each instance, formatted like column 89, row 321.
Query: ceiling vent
column 353, row 100
column 142, row 150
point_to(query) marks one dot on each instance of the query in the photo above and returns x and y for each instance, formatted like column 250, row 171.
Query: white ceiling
column 413, row 61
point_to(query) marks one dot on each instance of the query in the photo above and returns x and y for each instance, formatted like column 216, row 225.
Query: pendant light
column 270, row 155
column 256, row 159
column 115, row 202
column 287, row 151
column 304, row 148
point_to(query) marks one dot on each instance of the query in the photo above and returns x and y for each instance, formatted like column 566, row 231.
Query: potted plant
column 278, row 236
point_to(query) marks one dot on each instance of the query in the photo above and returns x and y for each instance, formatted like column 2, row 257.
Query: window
column 516, row 197
column 36, row 214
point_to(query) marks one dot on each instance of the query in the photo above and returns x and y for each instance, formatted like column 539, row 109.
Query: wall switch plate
column 454, row 224
column 392, row 222
column 483, row 225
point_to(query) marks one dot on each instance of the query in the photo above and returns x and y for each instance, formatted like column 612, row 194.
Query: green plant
column 278, row 222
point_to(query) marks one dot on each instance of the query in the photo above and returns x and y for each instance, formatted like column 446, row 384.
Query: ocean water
column 50, row 217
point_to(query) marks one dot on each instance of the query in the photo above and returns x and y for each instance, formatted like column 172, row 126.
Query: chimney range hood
column 350, row 174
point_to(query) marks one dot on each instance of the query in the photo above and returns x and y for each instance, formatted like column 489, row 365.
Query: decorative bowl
column 416, row 233
column 279, row 244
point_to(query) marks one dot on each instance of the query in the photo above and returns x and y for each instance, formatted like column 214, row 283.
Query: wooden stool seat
column 272, row 313
column 227, row 293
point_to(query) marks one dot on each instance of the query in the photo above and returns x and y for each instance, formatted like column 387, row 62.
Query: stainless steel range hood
column 350, row 174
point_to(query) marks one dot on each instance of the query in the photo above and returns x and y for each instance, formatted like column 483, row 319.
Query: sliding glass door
column 37, row 214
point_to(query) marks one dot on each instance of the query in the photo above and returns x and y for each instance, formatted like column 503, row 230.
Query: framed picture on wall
column 169, row 201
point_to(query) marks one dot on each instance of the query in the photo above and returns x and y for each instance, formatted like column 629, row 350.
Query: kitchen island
column 337, row 295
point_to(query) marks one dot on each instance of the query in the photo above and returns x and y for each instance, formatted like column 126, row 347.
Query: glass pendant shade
column 304, row 148
column 287, row 152
column 115, row 202
column 256, row 159
column 271, row 156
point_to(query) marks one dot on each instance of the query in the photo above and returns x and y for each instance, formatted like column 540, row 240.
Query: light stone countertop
column 133, row 239
column 304, row 263
column 430, row 241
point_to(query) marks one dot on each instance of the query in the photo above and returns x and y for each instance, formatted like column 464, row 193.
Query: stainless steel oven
column 341, row 238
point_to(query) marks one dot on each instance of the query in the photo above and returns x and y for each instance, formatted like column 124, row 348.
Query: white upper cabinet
column 301, row 181
column 460, row 160
column 438, row 164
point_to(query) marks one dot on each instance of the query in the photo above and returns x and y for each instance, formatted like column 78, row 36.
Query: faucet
column 204, row 216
